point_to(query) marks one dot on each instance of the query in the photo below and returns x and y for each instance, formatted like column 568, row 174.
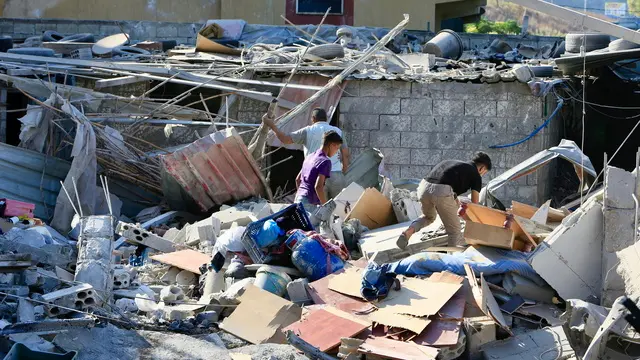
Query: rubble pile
column 212, row 264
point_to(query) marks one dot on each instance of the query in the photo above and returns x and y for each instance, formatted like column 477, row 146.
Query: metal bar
column 126, row 120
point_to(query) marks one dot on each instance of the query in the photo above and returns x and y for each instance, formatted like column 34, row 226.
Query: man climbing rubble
column 315, row 170
column 311, row 137
column 439, row 191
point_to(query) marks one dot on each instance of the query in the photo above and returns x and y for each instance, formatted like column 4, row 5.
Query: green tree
column 484, row 26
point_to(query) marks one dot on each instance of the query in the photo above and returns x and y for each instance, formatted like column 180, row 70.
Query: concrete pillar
column 95, row 260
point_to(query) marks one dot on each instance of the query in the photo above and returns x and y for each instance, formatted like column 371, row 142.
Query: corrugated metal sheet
column 32, row 177
column 329, row 102
column 216, row 169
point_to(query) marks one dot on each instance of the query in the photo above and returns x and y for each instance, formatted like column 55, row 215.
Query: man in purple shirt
column 315, row 170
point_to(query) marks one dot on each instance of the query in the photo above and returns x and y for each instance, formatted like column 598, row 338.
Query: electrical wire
column 583, row 50
column 534, row 132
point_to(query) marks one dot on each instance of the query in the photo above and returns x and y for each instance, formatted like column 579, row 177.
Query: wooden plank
column 324, row 329
column 119, row 81
column 399, row 350
column 189, row 260
column 488, row 235
column 484, row 215
column 527, row 211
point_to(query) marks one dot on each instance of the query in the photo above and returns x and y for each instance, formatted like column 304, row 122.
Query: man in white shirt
column 311, row 138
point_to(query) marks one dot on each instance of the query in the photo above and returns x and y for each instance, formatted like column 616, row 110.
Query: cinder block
column 395, row 123
column 416, row 140
column 24, row 28
column 448, row 107
column 370, row 105
column 425, row 157
column 143, row 30
column 611, row 278
column 480, row 331
column 494, row 125
column 618, row 229
column 419, row 90
column 384, row 88
column 523, row 125
column 462, row 155
column 414, row 171
column 520, row 109
column 426, row 124
column 462, row 124
column 200, row 232
column 187, row 30
column 121, row 279
column 67, row 28
column 6, row 27
column 297, row 291
column 360, row 122
column 137, row 235
column 107, row 30
column 166, row 30
column 351, row 89
column 247, row 104
column 170, row 294
column 393, row 171
column 357, row 138
column 447, row 141
column 89, row 28
column 480, row 108
column 380, row 139
column 417, row 106
column 396, row 156
column 619, row 185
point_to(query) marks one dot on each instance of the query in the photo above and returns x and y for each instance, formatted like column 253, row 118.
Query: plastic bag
column 268, row 235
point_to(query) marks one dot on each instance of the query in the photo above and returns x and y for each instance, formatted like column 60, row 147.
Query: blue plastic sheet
column 485, row 260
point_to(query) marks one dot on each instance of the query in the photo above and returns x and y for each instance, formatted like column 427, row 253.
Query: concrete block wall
column 619, row 222
column 183, row 33
column 418, row 125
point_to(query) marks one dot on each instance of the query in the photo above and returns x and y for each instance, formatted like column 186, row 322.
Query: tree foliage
column 509, row 27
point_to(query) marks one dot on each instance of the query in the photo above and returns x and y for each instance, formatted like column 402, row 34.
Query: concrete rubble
column 190, row 250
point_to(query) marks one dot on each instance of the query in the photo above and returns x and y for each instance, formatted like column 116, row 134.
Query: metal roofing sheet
column 32, row 177
column 216, row 169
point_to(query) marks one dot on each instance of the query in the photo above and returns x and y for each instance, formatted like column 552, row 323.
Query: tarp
column 567, row 150
column 483, row 260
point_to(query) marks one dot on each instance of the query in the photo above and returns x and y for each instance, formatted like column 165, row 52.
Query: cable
column 537, row 130
column 583, row 50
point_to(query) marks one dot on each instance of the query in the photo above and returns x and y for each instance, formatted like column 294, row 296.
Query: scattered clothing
column 314, row 165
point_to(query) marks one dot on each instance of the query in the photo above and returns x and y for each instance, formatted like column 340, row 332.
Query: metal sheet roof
column 216, row 169
column 32, row 177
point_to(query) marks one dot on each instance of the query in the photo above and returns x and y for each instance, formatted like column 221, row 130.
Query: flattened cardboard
column 260, row 316
column 392, row 349
column 324, row 329
column 207, row 45
column 488, row 235
column 484, row 215
column 373, row 210
column 419, row 297
column 189, row 260
column 527, row 211
column 484, row 298
column 389, row 317
column 348, row 282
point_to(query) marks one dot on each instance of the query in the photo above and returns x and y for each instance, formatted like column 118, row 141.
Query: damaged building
column 147, row 211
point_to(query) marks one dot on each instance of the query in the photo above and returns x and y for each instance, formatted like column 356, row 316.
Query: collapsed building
column 141, row 191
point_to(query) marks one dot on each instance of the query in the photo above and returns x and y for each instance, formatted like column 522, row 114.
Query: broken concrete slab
column 229, row 216
column 530, row 345
column 567, row 260
column 200, row 232
column 181, row 312
column 618, row 185
column 480, row 330
column 136, row 235
column 95, row 258
column 26, row 311
column 297, row 291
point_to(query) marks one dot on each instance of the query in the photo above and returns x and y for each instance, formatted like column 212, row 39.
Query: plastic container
column 16, row 208
column 311, row 258
column 446, row 44
column 296, row 218
column 272, row 280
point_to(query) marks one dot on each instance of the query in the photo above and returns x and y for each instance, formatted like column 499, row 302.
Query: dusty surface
column 113, row 343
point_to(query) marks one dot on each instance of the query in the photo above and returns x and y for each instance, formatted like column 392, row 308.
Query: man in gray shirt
column 311, row 138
